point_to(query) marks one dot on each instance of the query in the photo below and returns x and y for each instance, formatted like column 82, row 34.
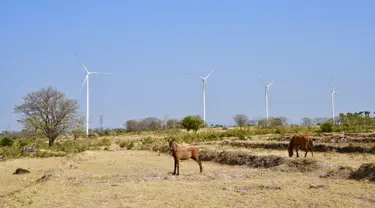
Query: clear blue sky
column 150, row 47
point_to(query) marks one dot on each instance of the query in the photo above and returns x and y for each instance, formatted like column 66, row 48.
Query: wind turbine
column 267, row 91
column 205, row 86
column 333, row 103
column 87, row 92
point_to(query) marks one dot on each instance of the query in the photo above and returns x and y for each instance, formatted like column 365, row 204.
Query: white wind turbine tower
column 333, row 93
column 205, row 86
column 267, row 91
column 87, row 92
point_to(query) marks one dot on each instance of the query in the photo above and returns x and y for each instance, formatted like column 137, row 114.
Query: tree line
column 49, row 113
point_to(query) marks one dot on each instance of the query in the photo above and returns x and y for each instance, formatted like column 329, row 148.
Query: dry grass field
column 128, row 178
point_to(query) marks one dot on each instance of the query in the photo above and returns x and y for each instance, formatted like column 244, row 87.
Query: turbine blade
column 261, row 81
column 205, row 83
column 195, row 75
column 270, row 83
column 210, row 73
column 83, row 83
column 84, row 66
column 97, row 73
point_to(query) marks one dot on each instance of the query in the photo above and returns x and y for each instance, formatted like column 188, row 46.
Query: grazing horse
column 183, row 153
column 298, row 141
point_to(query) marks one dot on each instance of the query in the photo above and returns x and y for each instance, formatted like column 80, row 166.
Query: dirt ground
column 144, row 179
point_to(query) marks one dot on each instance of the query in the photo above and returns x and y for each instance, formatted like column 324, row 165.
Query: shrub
column 82, row 148
column 326, row 127
column 147, row 140
column 211, row 136
column 77, row 133
column 104, row 142
column 6, row 142
column 22, row 143
column 128, row 144
column 93, row 135
column 67, row 146
column 243, row 137
column 11, row 152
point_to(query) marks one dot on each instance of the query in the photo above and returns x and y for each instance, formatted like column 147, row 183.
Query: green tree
column 326, row 127
column 48, row 111
column 192, row 123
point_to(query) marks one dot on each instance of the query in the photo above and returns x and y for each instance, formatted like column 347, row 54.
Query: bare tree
column 151, row 123
column 79, row 130
column 173, row 124
column 321, row 120
column 48, row 111
column 307, row 121
column 241, row 120
column 253, row 122
column 131, row 125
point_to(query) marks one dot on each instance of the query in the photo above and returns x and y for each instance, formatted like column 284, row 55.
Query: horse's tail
column 311, row 143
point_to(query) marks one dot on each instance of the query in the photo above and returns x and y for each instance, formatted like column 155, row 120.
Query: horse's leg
column 178, row 167
column 199, row 163
column 297, row 148
column 306, row 149
column 175, row 163
column 311, row 149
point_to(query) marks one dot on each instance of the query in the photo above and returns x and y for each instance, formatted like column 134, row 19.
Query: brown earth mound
column 345, row 138
column 256, row 161
column 316, row 148
column 341, row 172
column 21, row 171
column 366, row 171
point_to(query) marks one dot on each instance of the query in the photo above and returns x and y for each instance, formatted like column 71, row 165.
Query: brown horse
column 183, row 153
column 298, row 141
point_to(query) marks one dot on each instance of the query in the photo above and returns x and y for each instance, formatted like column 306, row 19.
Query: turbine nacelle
column 334, row 92
column 204, row 79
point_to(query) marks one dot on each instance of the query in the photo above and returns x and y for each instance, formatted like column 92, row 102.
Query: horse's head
column 290, row 152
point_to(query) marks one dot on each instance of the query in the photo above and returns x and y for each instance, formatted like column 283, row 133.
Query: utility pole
column 101, row 123
column 165, row 121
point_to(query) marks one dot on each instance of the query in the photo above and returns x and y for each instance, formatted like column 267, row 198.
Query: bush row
column 19, row 147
